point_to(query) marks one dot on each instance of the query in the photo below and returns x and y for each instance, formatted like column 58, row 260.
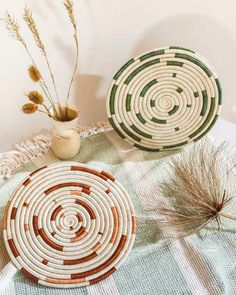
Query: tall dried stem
column 70, row 10
column 14, row 31
column 29, row 20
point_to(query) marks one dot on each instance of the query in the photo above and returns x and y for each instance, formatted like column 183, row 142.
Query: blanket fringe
column 38, row 146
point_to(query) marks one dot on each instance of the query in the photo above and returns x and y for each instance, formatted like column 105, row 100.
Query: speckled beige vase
column 65, row 134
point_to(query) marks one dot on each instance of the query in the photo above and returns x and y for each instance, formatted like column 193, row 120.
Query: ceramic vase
column 65, row 133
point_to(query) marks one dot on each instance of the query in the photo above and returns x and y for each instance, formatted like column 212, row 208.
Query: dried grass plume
column 200, row 184
column 13, row 27
column 69, row 5
column 28, row 18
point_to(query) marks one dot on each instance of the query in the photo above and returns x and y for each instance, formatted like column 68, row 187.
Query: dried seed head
column 28, row 18
column 13, row 27
column 34, row 74
column 35, row 97
column 29, row 108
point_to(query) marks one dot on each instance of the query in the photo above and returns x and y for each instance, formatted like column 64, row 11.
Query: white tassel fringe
column 38, row 146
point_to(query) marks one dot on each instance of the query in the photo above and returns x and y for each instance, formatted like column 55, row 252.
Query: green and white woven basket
column 164, row 99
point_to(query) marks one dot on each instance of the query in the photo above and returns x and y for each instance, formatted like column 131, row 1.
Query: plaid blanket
column 199, row 264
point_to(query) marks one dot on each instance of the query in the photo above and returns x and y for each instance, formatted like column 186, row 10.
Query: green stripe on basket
column 208, row 118
column 174, row 110
column 158, row 121
column 195, row 61
column 115, row 127
column 140, row 69
column 128, row 102
column 125, row 66
column 127, row 131
column 112, row 99
column 181, row 48
column 141, row 119
column 179, row 90
column 204, row 102
column 145, row 148
column 175, row 145
column 152, row 103
column 144, row 134
column 145, row 88
column 151, row 54
column 219, row 90
column 174, row 63
column 207, row 130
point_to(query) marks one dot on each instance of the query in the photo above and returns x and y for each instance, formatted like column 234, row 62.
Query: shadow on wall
column 92, row 107
column 206, row 36
column 90, row 104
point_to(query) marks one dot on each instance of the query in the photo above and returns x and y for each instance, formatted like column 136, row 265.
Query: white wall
column 112, row 31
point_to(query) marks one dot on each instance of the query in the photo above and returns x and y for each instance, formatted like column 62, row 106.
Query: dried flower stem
column 227, row 216
column 70, row 10
column 46, row 108
column 14, row 30
column 47, row 113
column 45, row 91
column 28, row 18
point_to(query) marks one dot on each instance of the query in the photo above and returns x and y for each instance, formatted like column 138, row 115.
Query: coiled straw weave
column 69, row 225
column 164, row 99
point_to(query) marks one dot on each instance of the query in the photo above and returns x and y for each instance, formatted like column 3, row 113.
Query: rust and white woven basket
column 69, row 225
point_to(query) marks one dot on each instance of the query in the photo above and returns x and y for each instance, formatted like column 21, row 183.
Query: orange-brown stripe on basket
column 67, row 184
column 48, row 241
column 13, row 213
column 116, row 224
column 13, row 247
column 91, row 171
column 103, row 265
column 36, row 171
column 87, row 207
column 29, row 275
column 55, row 212
column 79, row 234
column 64, row 281
column 80, row 260
column 26, row 182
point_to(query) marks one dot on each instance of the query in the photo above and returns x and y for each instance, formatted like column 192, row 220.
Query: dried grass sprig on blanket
column 200, row 184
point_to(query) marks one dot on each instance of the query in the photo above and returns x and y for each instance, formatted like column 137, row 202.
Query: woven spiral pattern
column 164, row 99
column 69, row 225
